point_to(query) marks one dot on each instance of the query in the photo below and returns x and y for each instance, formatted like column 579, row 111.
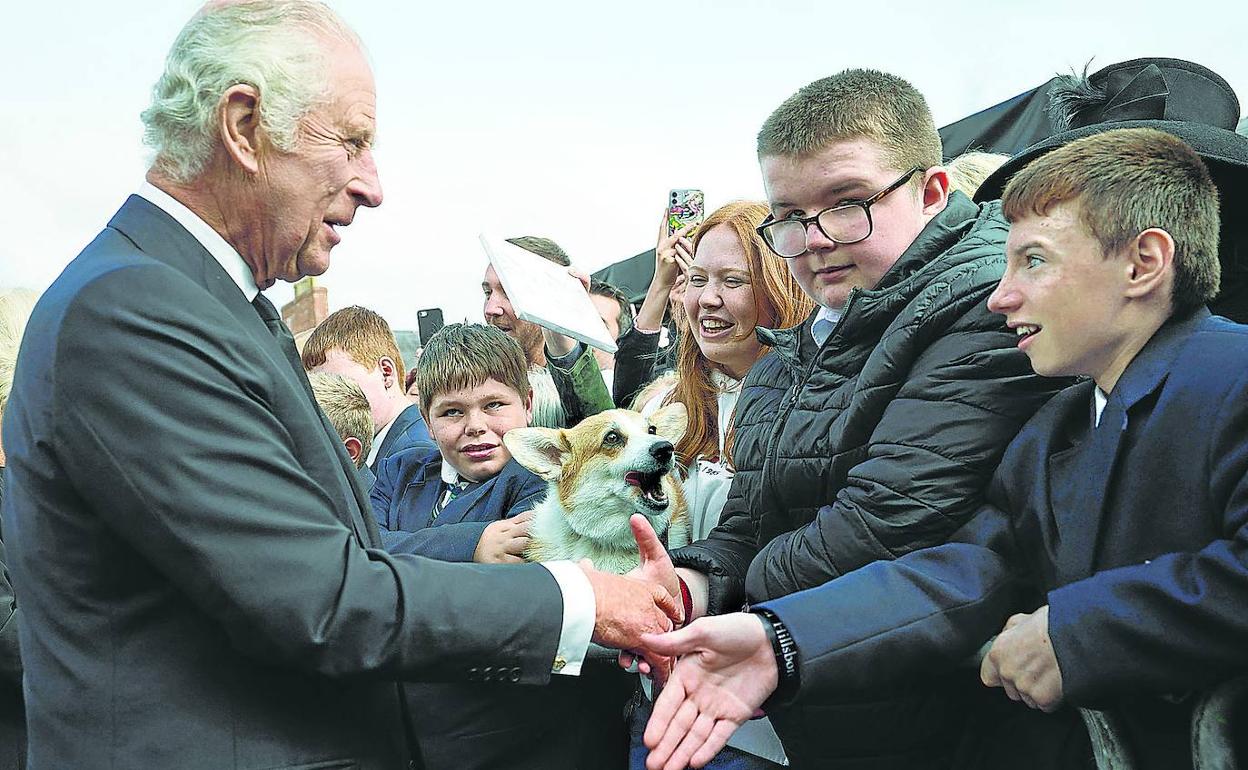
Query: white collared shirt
column 378, row 440
column 578, row 595
column 231, row 262
column 825, row 321
column 1099, row 400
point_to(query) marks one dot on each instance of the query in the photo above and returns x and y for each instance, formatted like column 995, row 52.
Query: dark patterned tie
column 451, row 492
column 285, row 340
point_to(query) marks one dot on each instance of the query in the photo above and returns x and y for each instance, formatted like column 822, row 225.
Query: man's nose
column 816, row 240
column 366, row 187
column 1004, row 298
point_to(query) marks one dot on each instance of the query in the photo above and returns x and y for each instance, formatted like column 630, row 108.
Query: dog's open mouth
column 651, row 487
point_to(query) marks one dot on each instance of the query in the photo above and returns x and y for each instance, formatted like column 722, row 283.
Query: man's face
column 370, row 380
column 845, row 171
column 499, row 313
column 304, row 196
column 609, row 310
column 1062, row 295
column 468, row 426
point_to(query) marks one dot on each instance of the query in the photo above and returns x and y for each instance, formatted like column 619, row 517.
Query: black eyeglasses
column 843, row 224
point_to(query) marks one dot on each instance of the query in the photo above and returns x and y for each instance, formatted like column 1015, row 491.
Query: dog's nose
column 662, row 451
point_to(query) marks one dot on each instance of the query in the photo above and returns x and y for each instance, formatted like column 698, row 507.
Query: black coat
column 870, row 446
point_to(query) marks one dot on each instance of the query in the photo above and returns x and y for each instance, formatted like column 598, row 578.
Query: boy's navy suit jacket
column 409, row 483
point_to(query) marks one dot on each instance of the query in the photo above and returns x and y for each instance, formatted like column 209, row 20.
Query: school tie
column 285, row 340
column 452, row 491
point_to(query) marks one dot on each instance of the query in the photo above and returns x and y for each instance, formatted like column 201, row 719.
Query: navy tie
column 285, row 340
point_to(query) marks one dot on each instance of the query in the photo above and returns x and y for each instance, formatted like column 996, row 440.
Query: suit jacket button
column 515, row 675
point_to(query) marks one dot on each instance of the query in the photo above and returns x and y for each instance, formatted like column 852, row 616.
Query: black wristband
column 785, row 648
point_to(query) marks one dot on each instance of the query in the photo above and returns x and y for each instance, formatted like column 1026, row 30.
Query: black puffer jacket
column 875, row 444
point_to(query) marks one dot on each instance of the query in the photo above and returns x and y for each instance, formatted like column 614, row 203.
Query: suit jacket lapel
column 1081, row 478
column 459, row 508
column 161, row 237
column 401, row 423
column 1080, row 482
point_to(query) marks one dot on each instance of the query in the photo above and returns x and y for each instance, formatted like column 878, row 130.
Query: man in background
column 358, row 344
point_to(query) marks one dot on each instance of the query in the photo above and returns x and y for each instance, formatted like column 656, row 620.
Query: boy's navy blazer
column 409, row 483
column 1136, row 539
column 408, row 431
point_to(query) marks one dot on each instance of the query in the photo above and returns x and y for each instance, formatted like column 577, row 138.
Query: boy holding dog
column 464, row 501
column 471, row 501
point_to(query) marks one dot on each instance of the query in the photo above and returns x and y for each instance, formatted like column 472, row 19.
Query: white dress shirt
column 578, row 595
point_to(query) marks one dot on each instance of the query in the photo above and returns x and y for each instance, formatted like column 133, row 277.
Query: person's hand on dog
column 504, row 541
column 1022, row 662
column 726, row 669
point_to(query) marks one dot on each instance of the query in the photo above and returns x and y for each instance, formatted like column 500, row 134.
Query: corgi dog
column 610, row 466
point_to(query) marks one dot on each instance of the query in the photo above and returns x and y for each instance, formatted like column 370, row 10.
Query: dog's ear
column 541, row 450
column 670, row 421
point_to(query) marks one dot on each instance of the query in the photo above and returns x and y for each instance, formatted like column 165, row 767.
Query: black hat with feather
column 1182, row 98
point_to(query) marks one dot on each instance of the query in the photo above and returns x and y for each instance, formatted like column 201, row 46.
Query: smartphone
column 684, row 208
column 428, row 321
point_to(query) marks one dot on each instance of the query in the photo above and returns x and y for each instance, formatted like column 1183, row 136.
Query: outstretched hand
column 726, row 669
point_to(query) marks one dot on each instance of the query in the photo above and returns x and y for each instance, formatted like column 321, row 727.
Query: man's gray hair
column 276, row 46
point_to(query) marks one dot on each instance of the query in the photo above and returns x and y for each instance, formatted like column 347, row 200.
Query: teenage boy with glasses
column 871, row 430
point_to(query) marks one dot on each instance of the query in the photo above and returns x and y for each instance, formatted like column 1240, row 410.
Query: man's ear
column 389, row 372
column 670, row 421
column 240, row 126
column 355, row 448
column 935, row 191
column 541, row 450
column 1150, row 261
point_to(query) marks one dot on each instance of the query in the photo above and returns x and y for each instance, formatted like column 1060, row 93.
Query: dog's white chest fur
column 609, row 542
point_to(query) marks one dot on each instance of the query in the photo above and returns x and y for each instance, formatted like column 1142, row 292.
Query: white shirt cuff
column 578, row 617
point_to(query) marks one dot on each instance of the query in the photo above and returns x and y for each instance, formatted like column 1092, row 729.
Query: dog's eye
column 612, row 437
column 653, row 431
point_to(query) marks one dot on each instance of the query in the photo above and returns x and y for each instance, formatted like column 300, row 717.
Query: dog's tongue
column 633, row 477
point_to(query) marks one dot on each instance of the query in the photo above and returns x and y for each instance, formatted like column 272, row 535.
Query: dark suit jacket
column 572, row 722
column 405, row 519
column 12, row 711
column 1139, row 545
column 191, row 546
column 408, row 431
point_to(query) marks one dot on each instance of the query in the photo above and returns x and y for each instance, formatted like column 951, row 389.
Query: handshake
column 713, row 674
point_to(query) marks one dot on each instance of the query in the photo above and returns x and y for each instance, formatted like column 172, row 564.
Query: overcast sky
column 564, row 119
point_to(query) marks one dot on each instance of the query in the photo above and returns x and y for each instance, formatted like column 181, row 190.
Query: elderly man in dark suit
column 1117, row 523
column 193, row 551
